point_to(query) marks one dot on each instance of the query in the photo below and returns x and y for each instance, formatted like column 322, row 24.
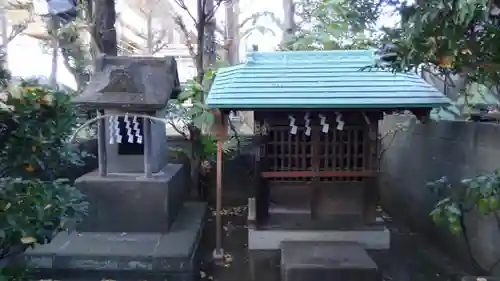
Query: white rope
column 93, row 120
column 111, row 130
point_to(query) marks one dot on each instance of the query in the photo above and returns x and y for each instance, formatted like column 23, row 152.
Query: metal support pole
column 218, row 253
column 101, row 145
column 146, row 137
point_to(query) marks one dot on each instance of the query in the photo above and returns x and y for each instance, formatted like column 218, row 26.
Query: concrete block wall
column 426, row 152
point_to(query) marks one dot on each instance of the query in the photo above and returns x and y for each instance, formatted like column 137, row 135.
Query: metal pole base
column 218, row 256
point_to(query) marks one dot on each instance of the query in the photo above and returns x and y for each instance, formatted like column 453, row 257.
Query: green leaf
column 494, row 203
column 483, row 205
column 194, row 111
column 185, row 95
column 199, row 122
column 455, row 228
column 209, row 75
column 200, row 105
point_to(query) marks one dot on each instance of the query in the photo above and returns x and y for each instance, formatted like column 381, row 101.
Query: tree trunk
column 103, row 29
column 289, row 22
column 200, row 41
column 203, row 46
column 232, row 32
column 5, row 35
column 209, row 51
column 54, row 44
column 149, row 24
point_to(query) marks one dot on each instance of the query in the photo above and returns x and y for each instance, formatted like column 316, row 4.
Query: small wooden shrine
column 316, row 117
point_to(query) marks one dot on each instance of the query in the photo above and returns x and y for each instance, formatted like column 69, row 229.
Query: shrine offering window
column 132, row 136
column 349, row 149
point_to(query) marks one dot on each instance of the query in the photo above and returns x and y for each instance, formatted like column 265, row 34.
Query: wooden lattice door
column 338, row 155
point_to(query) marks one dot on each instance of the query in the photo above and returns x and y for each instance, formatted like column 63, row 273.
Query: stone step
column 125, row 256
column 87, row 275
column 328, row 261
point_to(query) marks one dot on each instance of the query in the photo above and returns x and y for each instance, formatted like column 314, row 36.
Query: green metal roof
column 318, row 79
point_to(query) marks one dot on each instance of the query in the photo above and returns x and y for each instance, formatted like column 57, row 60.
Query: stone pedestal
column 133, row 203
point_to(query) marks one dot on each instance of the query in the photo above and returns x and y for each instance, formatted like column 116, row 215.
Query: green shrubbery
column 34, row 204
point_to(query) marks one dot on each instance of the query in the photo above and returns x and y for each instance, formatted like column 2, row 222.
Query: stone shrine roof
column 132, row 83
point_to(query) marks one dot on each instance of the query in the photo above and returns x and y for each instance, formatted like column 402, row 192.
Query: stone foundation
column 132, row 203
column 125, row 256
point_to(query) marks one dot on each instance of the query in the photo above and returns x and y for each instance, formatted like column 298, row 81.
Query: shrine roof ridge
column 318, row 79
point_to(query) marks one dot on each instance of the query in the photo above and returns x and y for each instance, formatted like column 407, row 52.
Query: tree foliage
column 35, row 205
column 459, row 36
column 334, row 24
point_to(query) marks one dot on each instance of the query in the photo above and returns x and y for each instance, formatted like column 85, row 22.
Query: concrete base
column 122, row 256
column 373, row 238
column 336, row 261
column 131, row 202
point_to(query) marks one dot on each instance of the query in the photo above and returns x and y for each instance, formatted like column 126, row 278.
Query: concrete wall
column 426, row 152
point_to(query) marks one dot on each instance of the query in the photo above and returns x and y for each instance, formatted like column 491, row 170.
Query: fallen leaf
column 28, row 240
column 228, row 258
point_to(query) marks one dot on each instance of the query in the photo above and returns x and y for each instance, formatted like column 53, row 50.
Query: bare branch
column 17, row 29
column 180, row 23
column 254, row 17
column 183, row 6
column 178, row 130
column 149, row 7
column 159, row 46
column 18, row 5
column 260, row 28
column 211, row 14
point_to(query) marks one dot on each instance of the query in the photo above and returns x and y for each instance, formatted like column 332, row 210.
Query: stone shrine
column 138, row 222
